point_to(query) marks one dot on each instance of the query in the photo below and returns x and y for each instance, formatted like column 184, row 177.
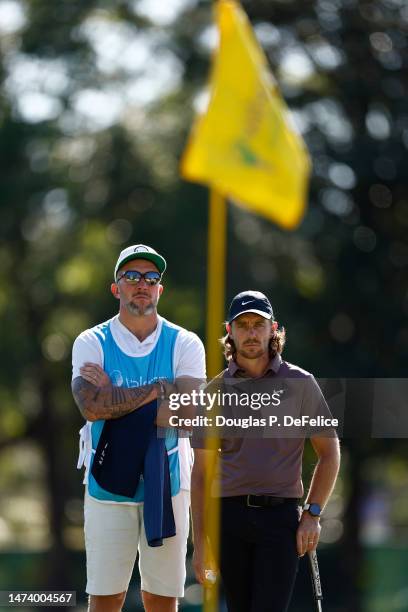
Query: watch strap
column 306, row 508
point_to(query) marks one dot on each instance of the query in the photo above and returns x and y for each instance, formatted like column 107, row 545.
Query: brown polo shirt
column 266, row 460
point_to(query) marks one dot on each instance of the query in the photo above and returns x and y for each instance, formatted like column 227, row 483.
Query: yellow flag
column 245, row 145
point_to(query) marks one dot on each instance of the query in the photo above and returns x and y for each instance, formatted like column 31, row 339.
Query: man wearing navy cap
column 120, row 368
column 263, row 531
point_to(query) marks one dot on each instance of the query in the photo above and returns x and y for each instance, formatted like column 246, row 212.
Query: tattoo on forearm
column 107, row 402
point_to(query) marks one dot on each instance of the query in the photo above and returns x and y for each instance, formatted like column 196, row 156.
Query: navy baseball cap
column 140, row 251
column 250, row 301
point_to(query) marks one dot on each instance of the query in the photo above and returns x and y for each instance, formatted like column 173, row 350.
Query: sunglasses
column 133, row 277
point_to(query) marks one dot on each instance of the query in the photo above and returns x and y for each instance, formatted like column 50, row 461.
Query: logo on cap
column 256, row 301
column 140, row 249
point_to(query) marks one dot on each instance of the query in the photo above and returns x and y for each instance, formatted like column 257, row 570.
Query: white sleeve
column 86, row 348
column 189, row 356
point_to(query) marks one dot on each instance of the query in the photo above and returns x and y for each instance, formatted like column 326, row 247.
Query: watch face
column 314, row 509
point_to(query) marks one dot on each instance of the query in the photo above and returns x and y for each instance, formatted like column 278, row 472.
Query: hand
column 169, row 388
column 308, row 533
column 163, row 414
column 199, row 565
column 205, row 572
column 93, row 373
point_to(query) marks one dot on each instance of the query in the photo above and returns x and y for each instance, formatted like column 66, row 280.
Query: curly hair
column 276, row 344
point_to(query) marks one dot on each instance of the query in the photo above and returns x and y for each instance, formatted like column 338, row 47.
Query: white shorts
column 114, row 533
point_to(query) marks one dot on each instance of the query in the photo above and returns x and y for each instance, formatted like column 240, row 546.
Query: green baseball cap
column 140, row 251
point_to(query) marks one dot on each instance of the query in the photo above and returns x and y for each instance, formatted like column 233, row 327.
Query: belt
column 262, row 501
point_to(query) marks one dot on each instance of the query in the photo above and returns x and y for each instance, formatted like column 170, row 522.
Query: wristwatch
column 313, row 509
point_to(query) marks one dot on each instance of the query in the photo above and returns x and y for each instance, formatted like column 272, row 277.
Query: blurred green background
column 96, row 101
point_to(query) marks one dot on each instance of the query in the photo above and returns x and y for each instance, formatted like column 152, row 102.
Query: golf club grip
column 317, row 586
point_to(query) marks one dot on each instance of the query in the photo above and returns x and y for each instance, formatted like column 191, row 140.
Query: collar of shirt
column 273, row 368
column 150, row 340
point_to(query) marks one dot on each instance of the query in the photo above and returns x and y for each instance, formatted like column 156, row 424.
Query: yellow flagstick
column 216, row 273
column 217, row 222
column 216, row 278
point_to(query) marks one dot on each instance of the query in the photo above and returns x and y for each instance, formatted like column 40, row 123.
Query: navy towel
column 128, row 448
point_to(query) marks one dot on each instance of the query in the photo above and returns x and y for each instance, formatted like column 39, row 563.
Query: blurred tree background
column 96, row 101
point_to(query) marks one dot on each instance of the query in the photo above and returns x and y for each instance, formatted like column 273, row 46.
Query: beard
column 141, row 310
column 253, row 352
